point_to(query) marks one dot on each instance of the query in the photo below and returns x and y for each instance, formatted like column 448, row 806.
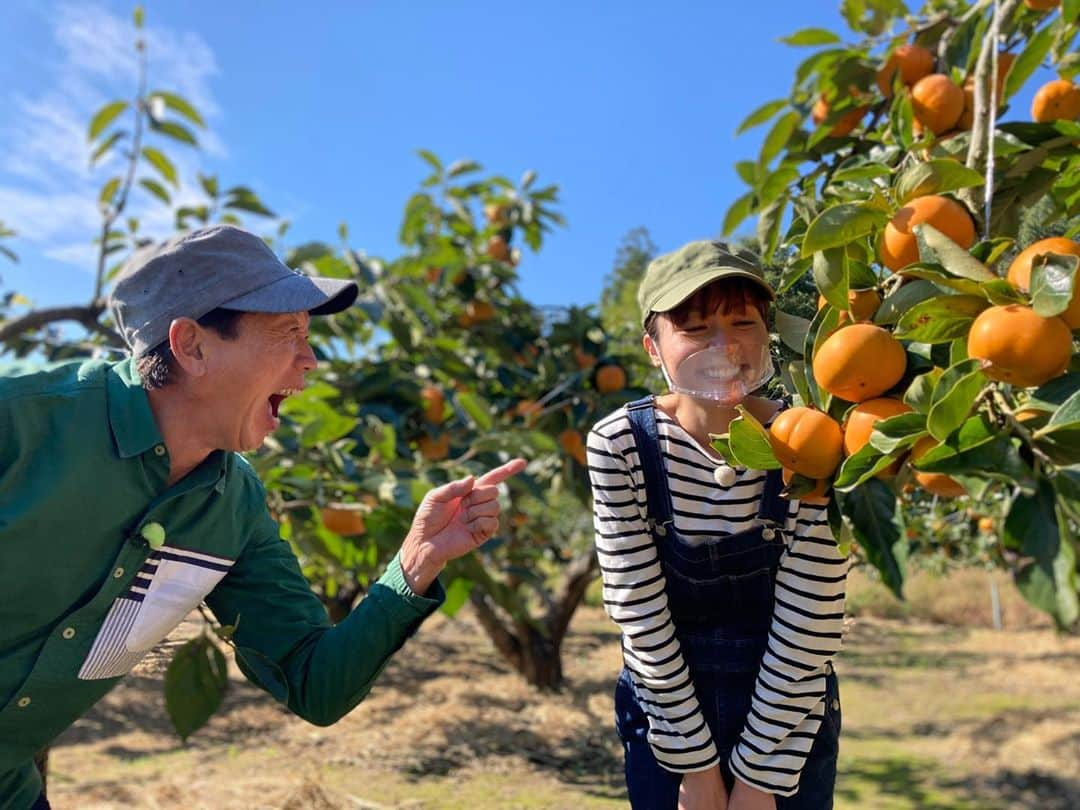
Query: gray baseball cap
column 220, row 266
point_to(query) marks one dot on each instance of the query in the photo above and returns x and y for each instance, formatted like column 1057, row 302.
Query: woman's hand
column 744, row 797
column 703, row 790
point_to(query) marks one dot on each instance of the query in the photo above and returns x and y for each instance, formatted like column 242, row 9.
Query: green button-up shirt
column 86, row 589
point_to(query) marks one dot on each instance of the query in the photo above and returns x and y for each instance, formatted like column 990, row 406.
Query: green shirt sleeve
column 286, row 644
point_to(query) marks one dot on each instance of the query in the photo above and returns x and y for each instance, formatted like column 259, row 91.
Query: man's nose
column 307, row 358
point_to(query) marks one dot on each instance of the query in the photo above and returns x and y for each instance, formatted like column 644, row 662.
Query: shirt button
column 835, row 705
column 724, row 475
column 119, row 572
column 69, row 632
column 159, row 449
column 768, row 534
column 23, row 702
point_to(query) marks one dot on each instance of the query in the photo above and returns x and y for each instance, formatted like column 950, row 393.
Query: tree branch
column 579, row 574
column 504, row 640
column 113, row 212
column 87, row 315
column 982, row 130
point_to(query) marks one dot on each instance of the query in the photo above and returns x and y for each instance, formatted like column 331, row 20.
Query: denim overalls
column 720, row 594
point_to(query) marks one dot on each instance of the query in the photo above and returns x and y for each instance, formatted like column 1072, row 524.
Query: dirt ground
column 934, row 717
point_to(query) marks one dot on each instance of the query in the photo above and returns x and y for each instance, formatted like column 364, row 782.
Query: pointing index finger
column 500, row 474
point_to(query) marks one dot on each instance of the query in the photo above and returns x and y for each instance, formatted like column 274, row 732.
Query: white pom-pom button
column 724, row 475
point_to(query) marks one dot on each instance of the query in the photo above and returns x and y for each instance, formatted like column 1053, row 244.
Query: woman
column 730, row 598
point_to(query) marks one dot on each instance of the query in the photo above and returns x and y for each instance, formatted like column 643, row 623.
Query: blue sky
column 631, row 107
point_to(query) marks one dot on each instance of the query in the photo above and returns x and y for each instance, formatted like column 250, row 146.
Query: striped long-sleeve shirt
column 805, row 633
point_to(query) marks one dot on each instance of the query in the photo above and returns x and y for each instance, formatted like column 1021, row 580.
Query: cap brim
column 680, row 292
column 298, row 293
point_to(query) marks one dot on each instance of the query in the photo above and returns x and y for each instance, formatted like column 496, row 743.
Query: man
column 124, row 504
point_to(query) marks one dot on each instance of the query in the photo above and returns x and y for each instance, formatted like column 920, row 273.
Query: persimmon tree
column 942, row 362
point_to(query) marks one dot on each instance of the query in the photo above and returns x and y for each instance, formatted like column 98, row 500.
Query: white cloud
column 48, row 192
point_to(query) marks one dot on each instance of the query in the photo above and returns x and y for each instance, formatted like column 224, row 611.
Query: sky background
column 630, row 107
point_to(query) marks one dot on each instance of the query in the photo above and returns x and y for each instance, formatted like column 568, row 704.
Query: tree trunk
column 535, row 648
column 41, row 762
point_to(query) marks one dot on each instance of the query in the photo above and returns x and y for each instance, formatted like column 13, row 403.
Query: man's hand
column 744, row 797
column 452, row 520
column 703, row 790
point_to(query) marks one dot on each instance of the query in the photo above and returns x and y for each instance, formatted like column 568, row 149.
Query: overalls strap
column 646, row 439
column 773, row 508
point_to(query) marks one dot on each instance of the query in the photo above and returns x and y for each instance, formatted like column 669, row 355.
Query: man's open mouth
column 277, row 398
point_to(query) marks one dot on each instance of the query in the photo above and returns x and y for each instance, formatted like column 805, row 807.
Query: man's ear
column 652, row 349
column 187, row 343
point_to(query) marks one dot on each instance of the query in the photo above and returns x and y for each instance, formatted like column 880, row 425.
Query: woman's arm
column 788, row 702
column 634, row 597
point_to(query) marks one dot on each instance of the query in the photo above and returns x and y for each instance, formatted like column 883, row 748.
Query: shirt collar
column 133, row 425
column 130, row 417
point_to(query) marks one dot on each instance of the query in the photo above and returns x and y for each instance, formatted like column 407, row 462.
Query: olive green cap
column 672, row 278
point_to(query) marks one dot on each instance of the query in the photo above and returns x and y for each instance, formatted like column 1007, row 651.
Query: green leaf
column 721, row 443
column 747, row 171
column 477, row 408
column 1055, row 393
column 103, row 117
column 108, row 191
column 739, row 211
column 902, row 299
column 792, row 329
column 762, row 114
column 867, row 171
column 934, row 246
column 897, row 432
column 940, row 319
column 1068, row 413
column 831, row 276
column 750, row 442
column 811, row 36
column 840, row 225
column 180, row 105
column 195, row 684
column 431, row 160
column 1029, row 60
column 797, row 374
column 953, row 398
column 1047, row 574
column 944, row 280
column 457, row 594
column 792, row 273
column 1001, row 293
column 778, row 137
column 768, row 227
column 920, row 393
column 859, row 468
column 460, row 167
column 901, row 117
column 209, row 184
column 1053, row 282
column 996, row 458
column 165, row 167
column 105, row 146
column 178, row 132
column 249, row 203
column 876, row 521
column 935, row 177
column 156, row 189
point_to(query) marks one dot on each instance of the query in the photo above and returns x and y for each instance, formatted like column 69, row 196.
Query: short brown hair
column 157, row 368
column 725, row 294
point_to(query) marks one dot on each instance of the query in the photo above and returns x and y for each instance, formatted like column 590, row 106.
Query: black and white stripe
column 788, row 703
column 169, row 583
